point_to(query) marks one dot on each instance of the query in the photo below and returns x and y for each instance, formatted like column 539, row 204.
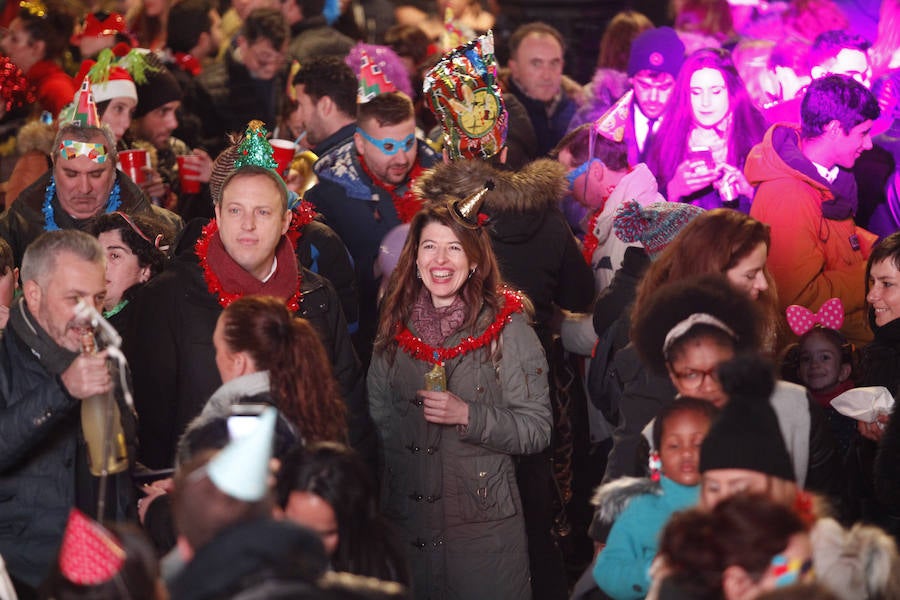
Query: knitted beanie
column 654, row 225
column 657, row 49
column 160, row 88
column 746, row 435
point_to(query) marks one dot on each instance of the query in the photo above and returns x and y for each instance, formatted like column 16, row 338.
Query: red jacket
column 812, row 257
column 54, row 87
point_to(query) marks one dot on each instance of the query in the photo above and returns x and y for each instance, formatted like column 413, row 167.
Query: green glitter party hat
column 255, row 148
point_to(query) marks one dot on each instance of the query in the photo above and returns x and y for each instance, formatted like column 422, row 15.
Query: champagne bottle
column 101, row 423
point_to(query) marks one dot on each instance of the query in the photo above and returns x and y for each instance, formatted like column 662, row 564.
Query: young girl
column 822, row 361
column 622, row 566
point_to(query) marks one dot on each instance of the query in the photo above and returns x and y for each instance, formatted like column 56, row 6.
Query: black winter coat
column 43, row 463
column 173, row 359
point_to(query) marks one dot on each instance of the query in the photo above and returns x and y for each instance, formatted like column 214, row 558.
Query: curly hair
column 139, row 233
column 300, row 374
column 746, row 530
column 676, row 301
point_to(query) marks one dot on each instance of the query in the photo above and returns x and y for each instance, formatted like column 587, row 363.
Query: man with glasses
column 248, row 84
column 364, row 191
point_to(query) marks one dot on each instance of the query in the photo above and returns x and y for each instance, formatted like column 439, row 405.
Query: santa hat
column 101, row 24
column 90, row 554
column 118, row 83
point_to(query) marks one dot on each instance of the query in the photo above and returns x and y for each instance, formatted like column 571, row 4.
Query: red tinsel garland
column 302, row 215
column 419, row 350
column 406, row 205
column 590, row 239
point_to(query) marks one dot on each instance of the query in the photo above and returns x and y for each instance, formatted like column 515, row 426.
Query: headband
column 684, row 326
column 155, row 243
column 71, row 149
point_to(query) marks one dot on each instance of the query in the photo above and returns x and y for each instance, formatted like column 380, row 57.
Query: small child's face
column 820, row 364
column 679, row 451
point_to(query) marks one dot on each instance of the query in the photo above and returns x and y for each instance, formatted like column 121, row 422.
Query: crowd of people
column 287, row 312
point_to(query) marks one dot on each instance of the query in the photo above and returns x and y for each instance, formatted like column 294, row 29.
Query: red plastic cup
column 283, row 153
column 133, row 163
column 188, row 186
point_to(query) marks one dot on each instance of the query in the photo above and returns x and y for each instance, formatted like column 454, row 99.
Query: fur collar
column 533, row 188
column 613, row 497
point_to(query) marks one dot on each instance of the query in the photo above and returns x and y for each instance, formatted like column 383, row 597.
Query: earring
column 655, row 465
column 418, row 275
column 472, row 272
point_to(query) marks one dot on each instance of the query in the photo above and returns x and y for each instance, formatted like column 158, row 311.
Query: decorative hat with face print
column 463, row 94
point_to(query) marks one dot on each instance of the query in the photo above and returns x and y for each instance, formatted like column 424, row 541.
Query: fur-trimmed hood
column 517, row 204
column 613, row 497
column 533, row 188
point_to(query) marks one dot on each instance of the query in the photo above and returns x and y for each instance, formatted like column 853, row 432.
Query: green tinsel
column 137, row 65
column 100, row 71
column 255, row 148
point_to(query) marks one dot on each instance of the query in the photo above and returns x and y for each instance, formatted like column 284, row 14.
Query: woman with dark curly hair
column 266, row 355
column 720, row 241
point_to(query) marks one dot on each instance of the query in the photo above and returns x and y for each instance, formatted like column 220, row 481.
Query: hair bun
column 747, row 377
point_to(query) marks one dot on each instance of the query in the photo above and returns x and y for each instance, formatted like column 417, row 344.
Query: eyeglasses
column 580, row 170
column 692, row 379
column 390, row 146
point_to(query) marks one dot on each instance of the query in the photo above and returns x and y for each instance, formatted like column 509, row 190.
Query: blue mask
column 390, row 146
column 571, row 176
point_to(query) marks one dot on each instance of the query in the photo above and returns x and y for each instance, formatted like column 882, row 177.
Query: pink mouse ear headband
column 830, row 315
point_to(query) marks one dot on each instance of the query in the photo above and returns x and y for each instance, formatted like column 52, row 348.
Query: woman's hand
column 444, row 408
column 690, row 176
column 736, row 179
column 152, row 491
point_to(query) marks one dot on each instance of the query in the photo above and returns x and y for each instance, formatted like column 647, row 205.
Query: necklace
column 112, row 204
column 302, row 216
column 419, row 350
column 406, row 205
column 590, row 238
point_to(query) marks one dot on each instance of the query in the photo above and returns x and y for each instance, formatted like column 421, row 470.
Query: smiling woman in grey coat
column 457, row 388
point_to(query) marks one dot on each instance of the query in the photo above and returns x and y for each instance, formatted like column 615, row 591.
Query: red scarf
column 229, row 281
column 406, row 205
column 436, row 355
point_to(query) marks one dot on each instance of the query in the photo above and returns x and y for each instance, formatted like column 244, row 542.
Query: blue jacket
column 622, row 566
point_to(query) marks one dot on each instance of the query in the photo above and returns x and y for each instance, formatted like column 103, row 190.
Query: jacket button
column 479, row 389
column 540, row 370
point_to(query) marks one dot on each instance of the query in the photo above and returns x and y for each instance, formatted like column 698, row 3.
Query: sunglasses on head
column 390, row 146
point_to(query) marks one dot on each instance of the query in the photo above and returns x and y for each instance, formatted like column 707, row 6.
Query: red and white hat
column 119, row 84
